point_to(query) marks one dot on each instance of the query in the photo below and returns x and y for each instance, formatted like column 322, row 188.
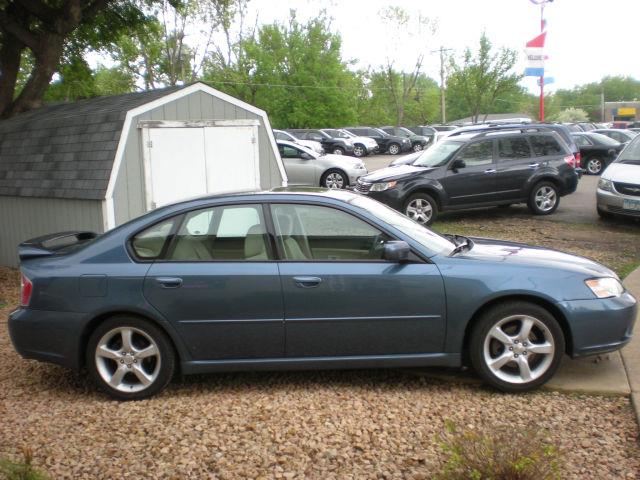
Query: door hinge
column 149, row 144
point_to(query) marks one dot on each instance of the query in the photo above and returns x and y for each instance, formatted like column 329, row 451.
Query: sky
column 586, row 39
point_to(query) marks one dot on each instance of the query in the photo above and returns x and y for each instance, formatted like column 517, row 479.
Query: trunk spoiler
column 47, row 245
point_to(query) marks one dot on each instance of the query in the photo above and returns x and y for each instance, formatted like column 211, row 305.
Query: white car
column 361, row 145
column 312, row 144
column 306, row 167
column 618, row 190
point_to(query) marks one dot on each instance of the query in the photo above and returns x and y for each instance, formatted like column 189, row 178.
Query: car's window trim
column 129, row 241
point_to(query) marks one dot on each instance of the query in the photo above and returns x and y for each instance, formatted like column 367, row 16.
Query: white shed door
column 187, row 162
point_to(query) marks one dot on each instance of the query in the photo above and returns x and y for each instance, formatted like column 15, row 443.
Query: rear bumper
column 47, row 336
column 571, row 182
column 600, row 325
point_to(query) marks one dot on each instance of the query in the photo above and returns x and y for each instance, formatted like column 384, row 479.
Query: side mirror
column 306, row 156
column 457, row 164
column 396, row 251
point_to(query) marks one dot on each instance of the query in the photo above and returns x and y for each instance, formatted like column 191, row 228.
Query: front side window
column 289, row 152
column 316, row 233
column 544, row 145
column 149, row 243
column 513, row 148
column 477, row 154
column 234, row 232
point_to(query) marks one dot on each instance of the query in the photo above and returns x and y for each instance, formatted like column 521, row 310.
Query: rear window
column 149, row 243
column 544, row 145
column 513, row 148
column 605, row 140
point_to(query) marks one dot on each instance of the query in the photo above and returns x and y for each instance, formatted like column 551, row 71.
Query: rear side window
column 513, row 148
column 480, row 153
column 149, row 243
column 544, row 145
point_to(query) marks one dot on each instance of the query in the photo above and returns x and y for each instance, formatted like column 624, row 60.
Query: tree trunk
column 10, row 53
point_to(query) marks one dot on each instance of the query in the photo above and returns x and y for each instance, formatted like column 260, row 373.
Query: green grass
column 22, row 470
column 627, row 268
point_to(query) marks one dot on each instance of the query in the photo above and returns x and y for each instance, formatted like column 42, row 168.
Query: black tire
column 359, row 151
column 338, row 151
column 541, row 203
column 162, row 366
column 415, row 205
column 330, row 179
column 594, row 166
column 417, row 147
column 604, row 214
column 394, row 149
column 509, row 377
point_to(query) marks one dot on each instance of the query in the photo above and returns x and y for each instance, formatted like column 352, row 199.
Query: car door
column 514, row 167
column 219, row 284
column 342, row 299
column 475, row 182
column 300, row 166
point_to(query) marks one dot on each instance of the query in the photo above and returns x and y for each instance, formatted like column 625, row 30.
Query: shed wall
column 129, row 194
column 22, row 218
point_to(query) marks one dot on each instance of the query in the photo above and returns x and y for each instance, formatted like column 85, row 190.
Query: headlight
column 604, row 184
column 382, row 186
column 605, row 287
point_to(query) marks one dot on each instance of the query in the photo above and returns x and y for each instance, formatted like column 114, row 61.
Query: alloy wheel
column 419, row 210
column 334, row 180
column 594, row 166
column 519, row 349
column 546, row 198
column 128, row 359
column 417, row 147
column 358, row 151
column 394, row 149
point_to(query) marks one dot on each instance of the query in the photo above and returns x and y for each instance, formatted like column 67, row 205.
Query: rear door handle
column 534, row 165
column 307, row 282
column 491, row 170
column 169, row 282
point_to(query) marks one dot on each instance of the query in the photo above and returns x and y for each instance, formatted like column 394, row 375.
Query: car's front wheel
column 394, row 149
column 130, row 358
column 594, row 166
column 516, row 346
column 417, row 147
column 359, row 151
column 338, row 151
column 422, row 208
column 544, row 198
column 334, row 179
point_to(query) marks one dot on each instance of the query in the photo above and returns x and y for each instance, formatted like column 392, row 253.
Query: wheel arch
column 539, row 301
column 429, row 190
column 545, row 178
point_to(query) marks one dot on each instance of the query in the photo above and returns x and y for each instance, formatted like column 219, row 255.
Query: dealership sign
column 535, row 56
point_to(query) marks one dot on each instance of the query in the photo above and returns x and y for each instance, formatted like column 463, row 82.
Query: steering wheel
column 377, row 246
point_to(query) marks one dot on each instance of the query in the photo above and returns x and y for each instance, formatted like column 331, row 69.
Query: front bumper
column 354, row 175
column 47, row 336
column 613, row 202
column 600, row 325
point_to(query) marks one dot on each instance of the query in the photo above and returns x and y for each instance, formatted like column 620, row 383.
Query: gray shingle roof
column 65, row 150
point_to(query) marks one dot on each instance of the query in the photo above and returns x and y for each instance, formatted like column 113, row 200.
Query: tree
column 49, row 30
column 482, row 78
column 572, row 115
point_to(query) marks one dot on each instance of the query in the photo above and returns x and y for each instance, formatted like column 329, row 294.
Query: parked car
column 337, row 146
column 490, row 168
column 298, row 279
column 418, row 142
column 306, row 167
column 587, row 126
column 444, row 128
column 574, row 127
column 362, row 146
column 406, row 159
column 597, row 151
column 312, row 144
column 619, row 135
column 426, row 131
column 388, row 143
column 618, row 190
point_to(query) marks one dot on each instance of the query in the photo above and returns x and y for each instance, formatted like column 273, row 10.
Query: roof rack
column 493, row 129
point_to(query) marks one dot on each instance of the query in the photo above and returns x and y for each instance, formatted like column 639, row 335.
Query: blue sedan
column 307, row 278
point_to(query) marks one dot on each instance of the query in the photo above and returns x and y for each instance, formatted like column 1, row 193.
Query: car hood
column 621, row 172
column 532, row 256
column 406, row 159
column 365, row 140
column 343, row 160
column 394, row 173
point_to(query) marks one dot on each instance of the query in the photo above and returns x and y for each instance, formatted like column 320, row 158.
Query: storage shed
column 97, row 163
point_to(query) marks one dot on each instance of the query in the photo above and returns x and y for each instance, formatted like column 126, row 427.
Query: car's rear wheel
column 516, row 346
column 334, row 179
column 359, row 151
column 130, row 358
column 394, row 149
column 544, row 198
column 338, row 151
column 417, row 147
column 594, row 166
column 422, row 208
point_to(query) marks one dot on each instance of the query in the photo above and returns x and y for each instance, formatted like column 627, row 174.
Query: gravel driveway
column 350, row 424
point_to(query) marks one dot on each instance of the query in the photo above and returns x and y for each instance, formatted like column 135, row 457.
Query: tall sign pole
column 536, row 57
column 542, row 77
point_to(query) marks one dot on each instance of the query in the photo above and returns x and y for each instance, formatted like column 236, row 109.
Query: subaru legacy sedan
column 302, row 279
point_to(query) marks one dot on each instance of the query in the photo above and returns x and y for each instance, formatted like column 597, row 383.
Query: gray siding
column 129, row 193
column 23, row 218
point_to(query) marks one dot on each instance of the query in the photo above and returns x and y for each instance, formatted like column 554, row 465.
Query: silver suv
column 619, row 186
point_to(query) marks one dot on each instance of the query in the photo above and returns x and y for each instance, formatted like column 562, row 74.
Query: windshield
column 336, row 133
column 604, row 139
column 438, row 155
column 631, row 154
column 431, row 240
column 347, row 133
column 406, row 131
column 382, row 132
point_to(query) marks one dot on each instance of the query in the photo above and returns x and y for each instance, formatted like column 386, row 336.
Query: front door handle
column 307, row 282
column 491, row 170
column 534, row 165
column 169, row 282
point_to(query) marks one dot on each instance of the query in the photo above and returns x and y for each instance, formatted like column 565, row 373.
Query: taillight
column 26, row 289
column 571, row 160
column 578, row 156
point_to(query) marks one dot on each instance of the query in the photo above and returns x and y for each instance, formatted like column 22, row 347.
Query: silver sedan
column 306, row 167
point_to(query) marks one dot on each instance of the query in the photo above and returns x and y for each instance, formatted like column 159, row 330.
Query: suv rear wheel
column 422, row 208
column 544, row 198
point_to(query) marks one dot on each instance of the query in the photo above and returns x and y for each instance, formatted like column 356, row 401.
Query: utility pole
column 443, row 115
column 602, row 106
